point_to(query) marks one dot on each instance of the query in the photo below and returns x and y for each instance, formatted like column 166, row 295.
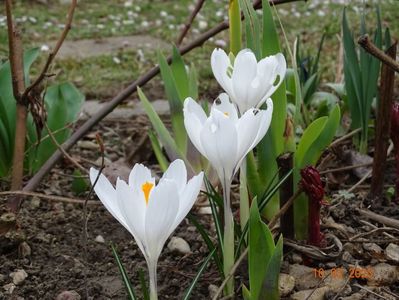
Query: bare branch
column 189, row 22
column 368, row 45
column 53, row 53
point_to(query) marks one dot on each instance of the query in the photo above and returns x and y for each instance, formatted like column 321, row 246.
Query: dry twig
column 368, row 45
column 48, row 197
column 190, row 21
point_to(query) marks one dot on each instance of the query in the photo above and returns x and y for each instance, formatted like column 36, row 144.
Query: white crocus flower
column 223, row 137
column 248, row 82
column 150, row 211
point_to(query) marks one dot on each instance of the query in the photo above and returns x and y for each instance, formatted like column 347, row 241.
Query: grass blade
column 125, row 277
column 207, row 240
column 199, row 273
column 144, row 287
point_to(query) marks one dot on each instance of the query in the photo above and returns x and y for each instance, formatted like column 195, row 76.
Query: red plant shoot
column 395, row 140
column 312, row 185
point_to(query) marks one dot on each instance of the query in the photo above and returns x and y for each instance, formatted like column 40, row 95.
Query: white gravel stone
column 286, row 284
column 18, row 276
column 99, row 239
column 179, row 245
column 392, row 252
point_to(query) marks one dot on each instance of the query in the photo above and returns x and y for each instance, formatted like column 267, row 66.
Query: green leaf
column 352, row 74
column 79, row 183
column 199, row 273
column 125, row 277
column 246, row 293
column 192, row 83
column 270, row 286
column 156, row 147
column 261, row 248
column 235, row 26
column 314, row 140
column 175, row 102
column 163, row 134
column 180, row 75
column 252, row 28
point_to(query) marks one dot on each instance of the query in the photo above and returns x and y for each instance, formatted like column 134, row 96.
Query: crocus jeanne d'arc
column 224, row 138
column 248, row 82
column 150, row 211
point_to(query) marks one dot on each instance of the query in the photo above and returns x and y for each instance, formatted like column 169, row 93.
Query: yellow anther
column 226, row 114
column 146, row 188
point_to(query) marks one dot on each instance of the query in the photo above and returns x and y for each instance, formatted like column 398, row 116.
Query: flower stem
column 228, row 239
column 152, row 271
column 244, row 199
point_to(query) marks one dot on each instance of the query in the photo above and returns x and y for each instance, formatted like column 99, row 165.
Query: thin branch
column 49, row 197
column 132, row 88
column 368, row 45
column 350, row 167
column 283, row 209
column 70, row 158
column 85, row 215
column 189, row 21
column 231, row 273
column 54, row 52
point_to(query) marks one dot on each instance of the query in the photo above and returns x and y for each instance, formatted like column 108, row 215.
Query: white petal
column 188, row 197
column 177, row 172
column 220, row 63
column 194, row 120
column 139, row 175
column 272, row 68
column 265, row 123
column 133, row 209
column 244, row 72
column 262, row 119
column 225, row 106
column 247, row 131
column 107, row 194
column 219, row 139
column 162, row 210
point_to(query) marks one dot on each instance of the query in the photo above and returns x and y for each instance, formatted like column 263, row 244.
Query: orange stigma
column 146, row 188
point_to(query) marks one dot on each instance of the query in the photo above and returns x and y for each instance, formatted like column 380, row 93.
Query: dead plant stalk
column 22, row 95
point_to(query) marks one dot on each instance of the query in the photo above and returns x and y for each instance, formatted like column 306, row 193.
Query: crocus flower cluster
column 312, row 185
column 236, row 124
column 395, row 140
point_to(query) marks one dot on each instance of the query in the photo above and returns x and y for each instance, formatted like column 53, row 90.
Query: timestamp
column 342, row 273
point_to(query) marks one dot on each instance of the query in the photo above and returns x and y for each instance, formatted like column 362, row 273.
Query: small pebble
column 205, row 210
column 24, row 249
column 35, row 202
column 179, row 245
column 68, row 295
column 18, row 276
column 9, row 288
column 99, row 239
column 286, row 284
column 212, row 289
column 392, row 252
